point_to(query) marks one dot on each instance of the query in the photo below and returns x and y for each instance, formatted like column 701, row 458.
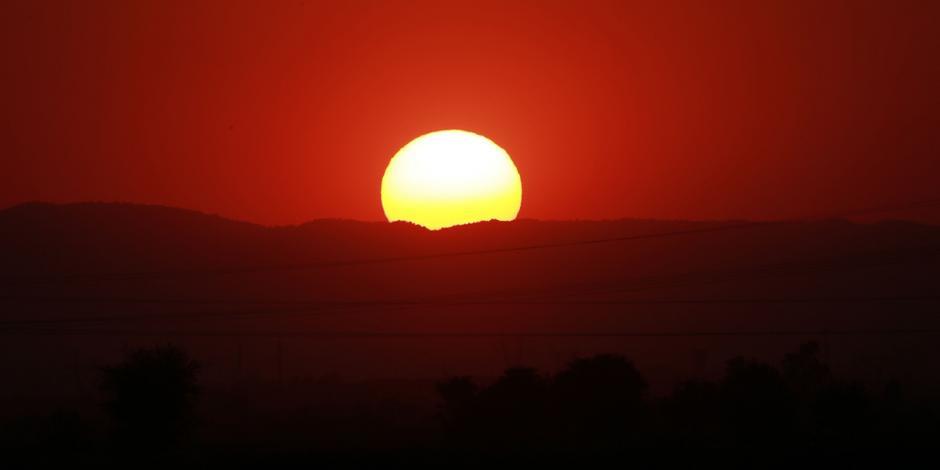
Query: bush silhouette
column 757, row 404
column 458, row 411
column 594, row 402
column 693, row 414
column 599, row 399
column 151, row 397
column 805, row 373
column 514, row 410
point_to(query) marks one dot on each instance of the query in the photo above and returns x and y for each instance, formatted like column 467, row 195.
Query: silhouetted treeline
column 595, row 402
column 794, row 411
column 795, row 408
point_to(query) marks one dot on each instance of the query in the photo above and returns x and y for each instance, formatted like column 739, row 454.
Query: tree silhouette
column 841, row 415
column 151, row 397
column 756, row 403
column 458, row 411
column 804, row 372
column 598, row 405
column 693, row 414
column 514, row 410
column 594, row 402
column 598, row 399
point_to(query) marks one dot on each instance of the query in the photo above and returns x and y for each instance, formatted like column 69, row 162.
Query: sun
column 451, row 177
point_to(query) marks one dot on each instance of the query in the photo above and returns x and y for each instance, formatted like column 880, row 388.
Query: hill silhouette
column 351, row 324
column 99, row 238
column 336, row 294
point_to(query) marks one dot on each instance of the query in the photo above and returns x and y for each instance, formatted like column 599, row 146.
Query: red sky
column 284, row 111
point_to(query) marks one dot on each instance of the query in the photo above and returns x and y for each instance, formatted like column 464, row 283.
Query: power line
column 330, row 306
column 192, row 315
column 925, row 254
column 435, row 303
column 480, row 334
column 310, row 307
column 306, row 307
column 148, row 275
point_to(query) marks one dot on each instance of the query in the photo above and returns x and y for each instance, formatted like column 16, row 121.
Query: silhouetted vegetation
column 598, row 405
column 151, row 398
column 60, row 437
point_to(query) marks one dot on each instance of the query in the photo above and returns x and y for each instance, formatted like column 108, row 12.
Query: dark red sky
column 280, row 112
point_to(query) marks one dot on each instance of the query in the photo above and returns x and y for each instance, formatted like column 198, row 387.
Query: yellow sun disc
column 449, row 178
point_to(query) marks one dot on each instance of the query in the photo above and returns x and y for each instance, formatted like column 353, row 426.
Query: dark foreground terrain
column 345, row 343
column 154, row 412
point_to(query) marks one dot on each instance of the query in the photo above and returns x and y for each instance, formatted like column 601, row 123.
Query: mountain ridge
column 164, row 272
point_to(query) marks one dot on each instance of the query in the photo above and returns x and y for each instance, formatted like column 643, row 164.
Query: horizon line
column 833, row 216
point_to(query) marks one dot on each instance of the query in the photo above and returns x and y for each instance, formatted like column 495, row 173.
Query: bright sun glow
column 449, row 178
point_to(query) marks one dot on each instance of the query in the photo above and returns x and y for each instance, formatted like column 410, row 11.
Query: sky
column 280, row 112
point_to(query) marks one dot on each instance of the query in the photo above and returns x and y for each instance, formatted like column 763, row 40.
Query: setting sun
column 449, row 178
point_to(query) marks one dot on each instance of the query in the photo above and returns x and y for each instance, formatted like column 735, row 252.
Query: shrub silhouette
column 804, row 372
column 458, row 411
column 599, row 399
column 841, row 415
column 513, row 410
column 151, row 397
column 594, row 402
column 756, row 403
column 693, row 414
